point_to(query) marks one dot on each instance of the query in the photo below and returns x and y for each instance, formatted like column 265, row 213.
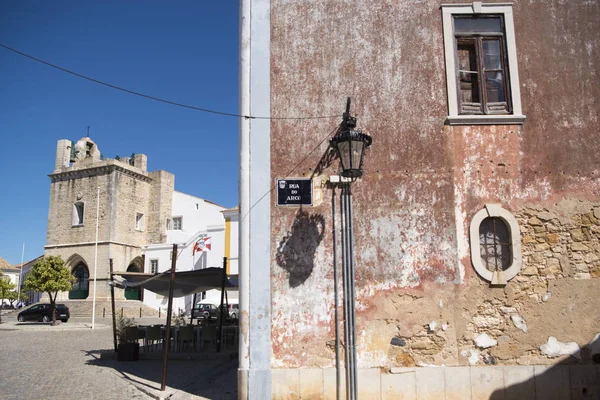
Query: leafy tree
column 12, row 296
column 6, row 286
column 49, row 275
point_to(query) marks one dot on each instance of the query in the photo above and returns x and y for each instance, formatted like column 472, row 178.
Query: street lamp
column 350, row 144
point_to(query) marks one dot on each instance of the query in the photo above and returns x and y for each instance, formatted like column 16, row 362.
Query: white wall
column 13, row 275
column 199, row 218
column 196, row 213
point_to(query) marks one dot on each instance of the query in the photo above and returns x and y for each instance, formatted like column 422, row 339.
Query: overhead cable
column 158, row 98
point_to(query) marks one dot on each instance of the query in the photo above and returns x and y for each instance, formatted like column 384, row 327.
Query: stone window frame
column 154, row 268
column 496, row 277
column 516, row 116
column 140, row 224
column 78, row 218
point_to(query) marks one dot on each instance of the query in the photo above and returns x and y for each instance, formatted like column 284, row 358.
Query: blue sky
column 184, row 51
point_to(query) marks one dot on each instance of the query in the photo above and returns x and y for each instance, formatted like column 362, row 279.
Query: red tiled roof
column 5, row 264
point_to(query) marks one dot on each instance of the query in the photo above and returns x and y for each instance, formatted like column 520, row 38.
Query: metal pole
column 192, row 311
column 338, row 377
column 167, row 338
column 112, row 303
column 96, row 255
column 21, row 275
column 352, row 294
column 348, row 361
column 221, row 313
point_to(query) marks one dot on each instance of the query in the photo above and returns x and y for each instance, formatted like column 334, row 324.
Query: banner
column 203, row 244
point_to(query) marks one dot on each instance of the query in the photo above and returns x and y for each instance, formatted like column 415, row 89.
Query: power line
column 158, row 98
column 291, row 171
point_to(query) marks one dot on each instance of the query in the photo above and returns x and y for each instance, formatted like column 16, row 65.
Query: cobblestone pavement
column 61, row 364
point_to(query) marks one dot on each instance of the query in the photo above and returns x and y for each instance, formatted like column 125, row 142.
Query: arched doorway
column 136, row 265
column 81, row 285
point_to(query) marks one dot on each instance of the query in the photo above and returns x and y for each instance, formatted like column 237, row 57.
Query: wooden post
column 112, row 302
column 168, row 329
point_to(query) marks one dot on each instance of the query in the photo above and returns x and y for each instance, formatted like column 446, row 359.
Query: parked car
column 205, row 310
column 234, row 311
column 41, row 312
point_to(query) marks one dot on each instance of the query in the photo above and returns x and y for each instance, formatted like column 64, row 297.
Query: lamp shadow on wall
column 296, row 250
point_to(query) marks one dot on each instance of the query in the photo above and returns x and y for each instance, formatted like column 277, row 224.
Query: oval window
column 495, row 244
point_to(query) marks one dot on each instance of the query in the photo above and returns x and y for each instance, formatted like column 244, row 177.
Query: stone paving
column 63, row 362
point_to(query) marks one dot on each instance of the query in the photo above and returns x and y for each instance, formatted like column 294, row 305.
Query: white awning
column 186, row 282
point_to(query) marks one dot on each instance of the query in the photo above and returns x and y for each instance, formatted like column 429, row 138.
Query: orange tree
column 49, row 275
column 6, row 286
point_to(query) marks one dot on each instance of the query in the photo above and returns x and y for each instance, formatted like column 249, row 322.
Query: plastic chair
column 131, row 334
column 209, row 336
column 153, row 336
column 185, row 335
column 228, row 336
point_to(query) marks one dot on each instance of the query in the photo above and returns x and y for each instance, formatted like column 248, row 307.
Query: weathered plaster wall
column 425, row 180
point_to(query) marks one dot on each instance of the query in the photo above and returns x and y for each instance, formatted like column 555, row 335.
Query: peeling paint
column 424, row 180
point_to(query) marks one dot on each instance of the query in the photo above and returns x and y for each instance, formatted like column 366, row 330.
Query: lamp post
column 21, row 276
column 96, row 255
column 350, row 144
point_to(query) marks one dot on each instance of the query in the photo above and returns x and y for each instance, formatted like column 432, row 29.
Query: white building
column 195, row 223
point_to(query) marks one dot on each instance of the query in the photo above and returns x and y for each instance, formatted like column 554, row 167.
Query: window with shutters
column 482, row 73
column 481, row 65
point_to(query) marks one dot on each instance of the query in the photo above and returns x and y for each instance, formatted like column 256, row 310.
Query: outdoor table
column 229, row 329
column 227, row 332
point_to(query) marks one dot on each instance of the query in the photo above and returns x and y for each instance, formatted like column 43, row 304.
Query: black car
column 41, row 312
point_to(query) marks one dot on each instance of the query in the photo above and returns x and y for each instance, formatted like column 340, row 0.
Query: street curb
column 41, row 326
column 175, row 355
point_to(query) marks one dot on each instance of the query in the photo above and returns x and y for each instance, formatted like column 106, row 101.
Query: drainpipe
column 244, row 193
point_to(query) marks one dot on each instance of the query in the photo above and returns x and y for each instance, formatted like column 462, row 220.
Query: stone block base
column 450, row 383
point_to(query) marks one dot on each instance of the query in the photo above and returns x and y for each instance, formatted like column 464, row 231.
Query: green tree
column 6, row 286
column 12, row 296
column 49, row 275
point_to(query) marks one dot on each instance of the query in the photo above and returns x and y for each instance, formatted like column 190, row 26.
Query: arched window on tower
column 80, row 289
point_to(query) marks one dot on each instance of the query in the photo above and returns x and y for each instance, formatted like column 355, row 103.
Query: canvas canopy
column 186, row 282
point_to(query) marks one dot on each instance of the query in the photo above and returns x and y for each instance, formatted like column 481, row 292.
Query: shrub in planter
column 128, row 352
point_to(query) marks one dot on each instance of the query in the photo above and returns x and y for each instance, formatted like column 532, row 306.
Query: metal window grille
column 495, row 244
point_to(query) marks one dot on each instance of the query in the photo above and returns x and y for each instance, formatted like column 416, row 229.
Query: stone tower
column 133, row 207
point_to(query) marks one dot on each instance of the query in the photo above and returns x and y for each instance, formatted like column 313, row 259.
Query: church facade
column 115, row 209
